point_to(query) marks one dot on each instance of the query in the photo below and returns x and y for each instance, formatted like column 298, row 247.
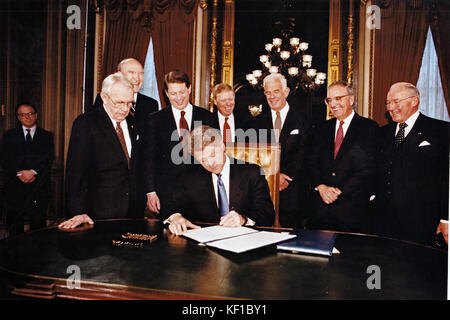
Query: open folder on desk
column 312, row 242
column 236, row 240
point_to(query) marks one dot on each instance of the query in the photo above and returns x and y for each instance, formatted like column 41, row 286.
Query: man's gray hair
column 408, row 86
column 341, row 83
column 113, row 79
column 276, row 77
column 203, row 136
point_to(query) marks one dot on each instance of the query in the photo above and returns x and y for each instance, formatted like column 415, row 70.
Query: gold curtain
column 399, row 47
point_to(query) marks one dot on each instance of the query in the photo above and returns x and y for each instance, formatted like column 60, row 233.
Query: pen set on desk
column 134, row 240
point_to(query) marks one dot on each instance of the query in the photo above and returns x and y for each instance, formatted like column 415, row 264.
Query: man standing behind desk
column 232, row 127
column 101, row 161
column 341, row 163
column 164, row 153
column 223, row 189
column 142, row 105
column 291, row 128
column 27, row 154
column 413, row 157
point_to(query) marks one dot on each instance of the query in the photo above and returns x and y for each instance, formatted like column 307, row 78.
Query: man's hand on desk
column 179, row 224
column 232, row 219
column 75, row 221
column 153, row 203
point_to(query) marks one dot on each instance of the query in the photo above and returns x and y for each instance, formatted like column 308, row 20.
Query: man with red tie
column 232, row 126
column 342, row 164
column 164, row 154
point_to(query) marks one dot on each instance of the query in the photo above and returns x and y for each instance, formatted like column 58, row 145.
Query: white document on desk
column 250, row 241
column 213, row 233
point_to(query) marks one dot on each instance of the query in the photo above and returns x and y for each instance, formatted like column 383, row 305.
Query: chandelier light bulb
column 267, row 64
column 257, row 73
column 285, row 54
column 269, row 47
column 250, row 77
column 294, row 41
column 293, row 71
column 276, row 42
column 303, row 46
column 311, row 72
column 307, row 58
column 254, row 81
column 264, row 58
column 273, row 69
column 321, row 76
column 318, row 81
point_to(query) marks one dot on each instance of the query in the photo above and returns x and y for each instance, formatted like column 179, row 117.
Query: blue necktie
column 222, row 197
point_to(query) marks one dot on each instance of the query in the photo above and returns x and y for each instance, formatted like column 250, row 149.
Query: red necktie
column 226, row 132
column 121, row 137
column 339, row 138
column 184, row 132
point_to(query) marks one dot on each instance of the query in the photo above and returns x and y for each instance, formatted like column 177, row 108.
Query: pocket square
column 424, row 143
column 295, row 131
column 137, row 137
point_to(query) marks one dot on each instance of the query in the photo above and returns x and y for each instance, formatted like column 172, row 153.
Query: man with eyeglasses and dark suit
column 413, row 157
column 27, row 154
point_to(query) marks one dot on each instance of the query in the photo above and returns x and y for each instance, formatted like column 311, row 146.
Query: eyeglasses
column 121, row 104
column 23, row 115
column 395, row 101
column 337, row 99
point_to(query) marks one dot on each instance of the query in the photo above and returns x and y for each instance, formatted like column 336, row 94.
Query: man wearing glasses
column 27, row 154
column 413, row 157
column 342, row 164
column 102, row 159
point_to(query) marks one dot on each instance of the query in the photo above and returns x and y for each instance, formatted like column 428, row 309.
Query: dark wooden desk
column 36, row 264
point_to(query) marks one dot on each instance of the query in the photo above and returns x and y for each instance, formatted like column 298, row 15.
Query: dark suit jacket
column 249, row 195
column 162, row 153
column 294, row 139
column 99, row 182
column 144, row 106
column 353, row 172
column 15, row 157
column 413, row 193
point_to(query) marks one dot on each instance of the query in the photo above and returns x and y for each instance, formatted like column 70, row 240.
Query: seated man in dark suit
column 413, row 158
column 27, row 154
column 232, row 126
column 221, row 190
column 341, row 165
column 142, row 105
column 102, row 159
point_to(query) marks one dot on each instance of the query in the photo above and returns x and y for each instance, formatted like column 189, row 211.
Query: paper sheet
column 208, row 234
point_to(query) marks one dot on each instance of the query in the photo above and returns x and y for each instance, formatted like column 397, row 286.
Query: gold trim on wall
column 334, row 46
column 228, row 43
column 213, row 54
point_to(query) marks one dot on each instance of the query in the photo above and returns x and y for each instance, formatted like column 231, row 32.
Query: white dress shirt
column 230, row 123
column 346, row 124
column 410, row 123
column 283, row 114
column 32, row 131
column 188, row 116
column 126, row 134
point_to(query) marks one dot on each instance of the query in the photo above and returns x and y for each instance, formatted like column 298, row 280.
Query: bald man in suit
column 413, row 156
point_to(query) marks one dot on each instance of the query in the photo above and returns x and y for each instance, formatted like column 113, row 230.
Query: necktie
column 339, row 138
column 277, row 126
column 133, row 109
column 184, row 130
column 400, row 134
column 222, row 197
column 28, row 136
column 122, row 141
column 226, row 132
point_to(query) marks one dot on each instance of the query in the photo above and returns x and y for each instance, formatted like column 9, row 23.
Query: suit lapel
column 288, row 126
column 330, row 134
column 235, row 188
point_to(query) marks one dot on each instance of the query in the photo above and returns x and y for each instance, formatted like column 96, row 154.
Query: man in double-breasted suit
column 291, row 128
column 413, row 156
column 220, row 190
column 27, row 154
column 341, row 165
column 101, row 160
column 165, row 155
